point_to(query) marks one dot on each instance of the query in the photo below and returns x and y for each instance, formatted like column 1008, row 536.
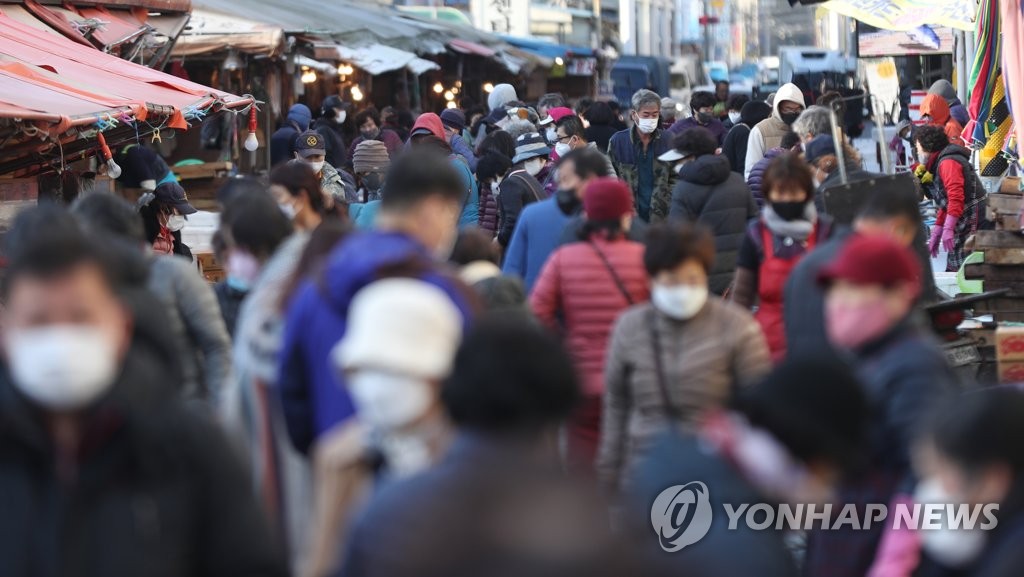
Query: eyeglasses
column 563, row 139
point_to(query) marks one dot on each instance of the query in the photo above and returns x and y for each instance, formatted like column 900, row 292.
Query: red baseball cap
column 556, row 114
column 873, row 260
column 607, row 199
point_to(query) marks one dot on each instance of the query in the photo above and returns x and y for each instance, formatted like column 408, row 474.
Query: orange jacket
column 935, row 107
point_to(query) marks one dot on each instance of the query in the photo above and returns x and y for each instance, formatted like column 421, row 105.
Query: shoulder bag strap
column 659, row 366
column 615, row 277
column 529, row 184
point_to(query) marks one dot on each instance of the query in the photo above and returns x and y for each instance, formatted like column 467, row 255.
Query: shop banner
column 908, row 14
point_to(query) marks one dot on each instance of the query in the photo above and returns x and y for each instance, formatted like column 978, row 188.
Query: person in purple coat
column 702, row 106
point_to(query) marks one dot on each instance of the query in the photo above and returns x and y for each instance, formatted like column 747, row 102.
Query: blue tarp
column 547, row 49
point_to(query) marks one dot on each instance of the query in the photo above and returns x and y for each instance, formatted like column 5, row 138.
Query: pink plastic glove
column 949, row 233
column 933, row 240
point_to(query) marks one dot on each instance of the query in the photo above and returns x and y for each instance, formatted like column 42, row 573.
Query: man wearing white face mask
column 337, row 186
column 672, row 360
column 333, row 114
column 521, row 187
column 96, row 448
column 416, row 227
column 400, row 345
column 634, row 153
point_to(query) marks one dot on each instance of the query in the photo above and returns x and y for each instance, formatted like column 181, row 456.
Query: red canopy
column 62, row 83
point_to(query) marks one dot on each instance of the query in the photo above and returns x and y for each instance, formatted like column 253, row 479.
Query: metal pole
column 837, row 139
column 707, row 31
column 598, row 44
column 960, row 63
column 876, row 106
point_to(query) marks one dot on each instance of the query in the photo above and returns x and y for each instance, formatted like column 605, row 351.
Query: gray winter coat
column 705, row 359
column 710, row 193
column 250, row 396
column 195, row 324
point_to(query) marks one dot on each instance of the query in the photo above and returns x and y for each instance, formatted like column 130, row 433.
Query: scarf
column 799, row 230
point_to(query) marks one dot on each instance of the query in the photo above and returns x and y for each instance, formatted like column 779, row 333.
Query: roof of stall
column 358, row 25
column 53, row 89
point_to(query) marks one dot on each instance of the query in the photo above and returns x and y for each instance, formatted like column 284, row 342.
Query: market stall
column 65, row 107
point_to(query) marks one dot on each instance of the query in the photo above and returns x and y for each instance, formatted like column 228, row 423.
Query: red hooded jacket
column 935, row 106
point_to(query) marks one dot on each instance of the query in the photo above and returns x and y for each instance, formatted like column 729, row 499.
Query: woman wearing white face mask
column 521, row 187
column 672, row 360
column 400, row 344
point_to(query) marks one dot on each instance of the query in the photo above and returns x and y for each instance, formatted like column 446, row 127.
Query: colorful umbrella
column 984, row 74
column 1013, row 63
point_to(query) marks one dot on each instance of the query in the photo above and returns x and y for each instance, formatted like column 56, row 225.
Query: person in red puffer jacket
column 587, row 285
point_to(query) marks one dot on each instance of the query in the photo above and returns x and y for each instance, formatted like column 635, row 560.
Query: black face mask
column 789, row 210
column 789, row 117
column 372, row 181
column 567, row 201
column 705, row 118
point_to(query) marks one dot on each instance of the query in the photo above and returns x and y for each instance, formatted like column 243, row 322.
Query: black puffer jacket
column 710, row 193
column 735, row 146
column 155, row 491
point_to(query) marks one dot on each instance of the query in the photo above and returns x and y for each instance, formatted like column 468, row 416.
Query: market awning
column 548, row 49
column 56, row 96
column 467, row 47
column 350, row 24
column 378, row 59
column 210, row 32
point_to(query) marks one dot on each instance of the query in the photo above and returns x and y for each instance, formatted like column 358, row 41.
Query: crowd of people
column 485, row 341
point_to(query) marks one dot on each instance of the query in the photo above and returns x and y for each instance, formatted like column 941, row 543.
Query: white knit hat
column 402, row 325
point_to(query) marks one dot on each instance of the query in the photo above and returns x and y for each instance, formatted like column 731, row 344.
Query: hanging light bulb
column 308, row 76
column 559, row 61
column 488, row 87
column 113, row 170
column 451, row 105
column 345, row 70
column 251, row 142
column 454, row 90
column 357, row 94
column 232, row 62
column 439, row 88
column 449, row 96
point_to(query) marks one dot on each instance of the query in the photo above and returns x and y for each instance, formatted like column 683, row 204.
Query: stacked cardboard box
column 1010, row 353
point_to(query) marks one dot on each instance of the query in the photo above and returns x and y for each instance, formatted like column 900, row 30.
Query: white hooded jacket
column 769, row 132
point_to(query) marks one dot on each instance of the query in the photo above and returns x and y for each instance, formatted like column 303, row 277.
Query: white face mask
column 734, row 117
column 340, row 116
column 62, row 367
column 678, row 168
column 388, row 401
column 562, row 148
column 680, row 302
column 534, row 166
column 495, row 188
column 316, row 166
column 288, row 209
column 551, row 134
column 953, row 548
column 243, row 269
column 647, row 125
column 175, row 222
